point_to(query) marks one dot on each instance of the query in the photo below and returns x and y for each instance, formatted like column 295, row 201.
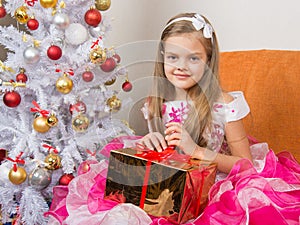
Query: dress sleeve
column 238, row 108
column 145, row 111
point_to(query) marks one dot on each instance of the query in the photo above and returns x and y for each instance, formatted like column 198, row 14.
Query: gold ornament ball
column 53, row 161
column 48, row 3
column 97, row 56
column 52, row 121
column 102, row 5
column 80, row 123
column 85, row 167
column 64, row 84
column 21, row 14
column 40, row 124
column 17, row 177
column 110, row 82
column 114, row 103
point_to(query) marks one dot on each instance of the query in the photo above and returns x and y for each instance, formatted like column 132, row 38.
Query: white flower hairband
column 198, row 23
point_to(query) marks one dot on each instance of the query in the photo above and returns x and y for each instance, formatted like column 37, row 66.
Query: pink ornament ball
column 126, row 86
column 87, row 76
column 84, row 167
column 108, row 65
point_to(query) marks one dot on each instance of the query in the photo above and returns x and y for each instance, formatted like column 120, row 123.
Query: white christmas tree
column 56, row 108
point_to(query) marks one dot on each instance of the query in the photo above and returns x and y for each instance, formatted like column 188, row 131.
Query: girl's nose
column 181, row 65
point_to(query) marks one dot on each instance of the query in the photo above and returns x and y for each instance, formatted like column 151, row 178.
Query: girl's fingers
column 173, row 136
column 148, row 144
column 173, row 129
column 154, row 141
column 159, row 143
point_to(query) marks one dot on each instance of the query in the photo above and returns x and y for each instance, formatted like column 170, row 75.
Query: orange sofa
column 270, row 80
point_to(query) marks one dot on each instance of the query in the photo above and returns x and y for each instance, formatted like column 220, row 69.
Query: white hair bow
column 198, row 23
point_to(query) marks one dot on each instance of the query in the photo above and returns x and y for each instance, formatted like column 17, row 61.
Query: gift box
column 162, row 184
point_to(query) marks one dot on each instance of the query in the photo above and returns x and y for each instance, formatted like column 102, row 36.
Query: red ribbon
column 37, row 108
column 70, row 71
column 204, row 174
column 153, row 155
column 150, row 155
column 95, row 43
column 17, row 160
column 49, row 147
column 145, row 184
column 90, row 152
column 30, row 2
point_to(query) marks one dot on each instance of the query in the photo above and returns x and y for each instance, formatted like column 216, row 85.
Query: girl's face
column 185, row 59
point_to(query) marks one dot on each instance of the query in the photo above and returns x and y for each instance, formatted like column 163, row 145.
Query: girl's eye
column 171, row 57
column 194, row 59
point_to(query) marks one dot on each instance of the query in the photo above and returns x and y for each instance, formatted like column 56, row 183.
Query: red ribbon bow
column 154, row 155
column 169, row 152
column 30, row 2
column 37, row 108
column 95, row 43
column 49, row 147
column 70, row 71
column 17, row 160
column 90, row 152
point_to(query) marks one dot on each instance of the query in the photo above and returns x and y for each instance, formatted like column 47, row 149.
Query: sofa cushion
column 270, row 80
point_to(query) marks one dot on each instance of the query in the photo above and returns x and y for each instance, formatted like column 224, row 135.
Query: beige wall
column 240, row 24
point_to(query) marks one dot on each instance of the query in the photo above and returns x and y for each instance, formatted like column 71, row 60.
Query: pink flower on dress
column 163, row 110
column 217, row 106
column 177, row 115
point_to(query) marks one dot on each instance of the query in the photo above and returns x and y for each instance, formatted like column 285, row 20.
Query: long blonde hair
column 203, row 94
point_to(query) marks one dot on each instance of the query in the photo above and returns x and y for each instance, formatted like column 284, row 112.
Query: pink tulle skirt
column 266, row 191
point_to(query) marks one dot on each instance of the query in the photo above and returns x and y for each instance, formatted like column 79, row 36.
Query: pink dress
column 266, row 191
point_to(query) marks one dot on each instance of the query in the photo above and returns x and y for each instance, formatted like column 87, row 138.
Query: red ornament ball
column 87, row 76
column 32, row 24
column 21, row 77
column 2, row 12
column 117, row 58
column 92, row 17
column 126, row 86
column 65, row 179
column 12, row 99
column 108, row 65
column 78, row 107
column 3, row 154
column 54, row 52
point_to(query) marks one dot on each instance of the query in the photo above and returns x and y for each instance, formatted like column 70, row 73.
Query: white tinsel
column 32, row 207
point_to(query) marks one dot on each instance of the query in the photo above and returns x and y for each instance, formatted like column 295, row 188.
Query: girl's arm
column 238, row 144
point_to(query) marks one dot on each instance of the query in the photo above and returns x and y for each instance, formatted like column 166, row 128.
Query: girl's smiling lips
column 182, row 76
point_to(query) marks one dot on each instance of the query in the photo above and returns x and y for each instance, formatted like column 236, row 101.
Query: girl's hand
column 178, row 136
column 154, row 141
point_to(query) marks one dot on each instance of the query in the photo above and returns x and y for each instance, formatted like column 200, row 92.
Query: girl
column 187, row 73
column 189, row 111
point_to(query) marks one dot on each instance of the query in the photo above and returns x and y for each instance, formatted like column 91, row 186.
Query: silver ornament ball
column 31, row 55
column 61, row 20
column 95, row 31
column 76, row 34
column 40, row 178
